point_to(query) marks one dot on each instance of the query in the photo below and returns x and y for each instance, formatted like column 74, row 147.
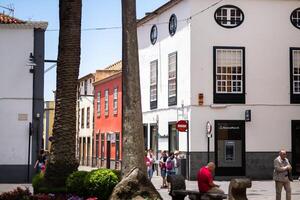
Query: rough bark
column 132, row 128
column 62, row 160
column 237, row 189
column 135, row 185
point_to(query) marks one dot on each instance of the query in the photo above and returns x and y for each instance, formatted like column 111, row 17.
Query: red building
column 108, row 116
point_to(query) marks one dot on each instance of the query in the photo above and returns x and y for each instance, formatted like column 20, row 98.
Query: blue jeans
column 150, row 172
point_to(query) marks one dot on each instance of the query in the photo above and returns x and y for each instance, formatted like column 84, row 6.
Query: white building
column 213, row 61
column 21, row 97
column 85, row 119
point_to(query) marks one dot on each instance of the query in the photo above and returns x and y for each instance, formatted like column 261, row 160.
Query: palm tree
column 132, row 128
column 62, row 160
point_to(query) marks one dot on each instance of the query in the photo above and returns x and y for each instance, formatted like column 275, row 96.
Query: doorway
column 230, row 147
column 154, row 138
column 296, row 147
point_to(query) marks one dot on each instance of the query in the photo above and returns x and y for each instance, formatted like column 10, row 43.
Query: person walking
column 205, row 180
column 163, row 169
column 177, row 161
column 170, row 165
column 149, row 163
column 40, row 164
column 282, row 168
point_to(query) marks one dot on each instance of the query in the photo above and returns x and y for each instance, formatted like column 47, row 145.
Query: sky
column 99, row 48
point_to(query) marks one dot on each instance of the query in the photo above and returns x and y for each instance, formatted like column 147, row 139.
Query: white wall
column 84, row 103
column 267, row 34
column 165, row 45
column 16, row 94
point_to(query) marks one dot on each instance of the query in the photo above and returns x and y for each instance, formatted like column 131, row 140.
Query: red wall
column 112, row 122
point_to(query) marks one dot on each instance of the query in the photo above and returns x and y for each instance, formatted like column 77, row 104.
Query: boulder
column 135, row 185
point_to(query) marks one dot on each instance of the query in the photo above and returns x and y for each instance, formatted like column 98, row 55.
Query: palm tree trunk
column 132, row 128
column 62, row 160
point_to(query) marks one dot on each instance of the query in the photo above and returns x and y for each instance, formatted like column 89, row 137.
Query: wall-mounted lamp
column 31, row 63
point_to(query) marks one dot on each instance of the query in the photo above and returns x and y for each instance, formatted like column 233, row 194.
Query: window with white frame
column 153, row 84
column 295, row 74
column 115, row 100
column 229, row 86
column 106, row 102
column 229, row 71
column 296, row 71
column 229, row 16
column 98, row 104
column 172, row 79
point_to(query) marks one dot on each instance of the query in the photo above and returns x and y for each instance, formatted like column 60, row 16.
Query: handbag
column 290, row 176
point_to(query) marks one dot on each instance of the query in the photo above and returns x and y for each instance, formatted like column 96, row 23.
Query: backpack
column 169, row 164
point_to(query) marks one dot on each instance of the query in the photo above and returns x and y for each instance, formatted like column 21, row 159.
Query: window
column 172, row 24
column 172, row 79
column 82, row 118
column 153, row 34
column 295, row 74
column 98, row 104
column 106, row 102
column 102, row 148
column 173, row 137
column 229, row 16
column 116, row 101
column 97, row 148
column 117, row 146
column 295, row 18
column 153, row 84
column 85, row 87
column 88, row 117
column 229, row 75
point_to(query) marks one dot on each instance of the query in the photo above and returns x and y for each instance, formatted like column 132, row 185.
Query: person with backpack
column 163, row 169
column 170, row 165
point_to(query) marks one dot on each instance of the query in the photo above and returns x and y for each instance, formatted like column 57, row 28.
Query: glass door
column 230, row 147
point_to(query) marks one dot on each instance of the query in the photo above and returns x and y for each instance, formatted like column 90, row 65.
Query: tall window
column 229, row 75
column 97, row 146
column 153, row 84
column 106, row 102
column 295, row 74
column 82, row 118
column 102, row 148
column 117, row 146
column 98, row 104
column 85, row 87
column 115, row 100
column 88, row 117
column 172, row 79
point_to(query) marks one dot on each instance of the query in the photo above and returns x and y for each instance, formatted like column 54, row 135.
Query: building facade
column 21, row 97
column 49, row 111
column 85, row 119
column 220, row 64
column 108, row 117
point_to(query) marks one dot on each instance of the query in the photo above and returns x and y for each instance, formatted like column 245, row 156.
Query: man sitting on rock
column 205, row 180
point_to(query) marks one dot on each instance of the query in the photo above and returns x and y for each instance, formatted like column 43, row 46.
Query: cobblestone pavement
column 260, row 190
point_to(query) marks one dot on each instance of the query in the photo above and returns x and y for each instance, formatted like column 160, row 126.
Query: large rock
column 135, row 185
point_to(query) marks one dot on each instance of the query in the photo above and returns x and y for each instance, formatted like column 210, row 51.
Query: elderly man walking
column 281, row 169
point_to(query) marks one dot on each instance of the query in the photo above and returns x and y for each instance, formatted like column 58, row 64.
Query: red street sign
column 182, row 125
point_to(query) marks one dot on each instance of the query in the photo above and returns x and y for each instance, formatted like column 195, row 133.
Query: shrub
column 38, row 182
column 16, row 194
column 118, row 173
column 100, row 183
column 75, row 183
